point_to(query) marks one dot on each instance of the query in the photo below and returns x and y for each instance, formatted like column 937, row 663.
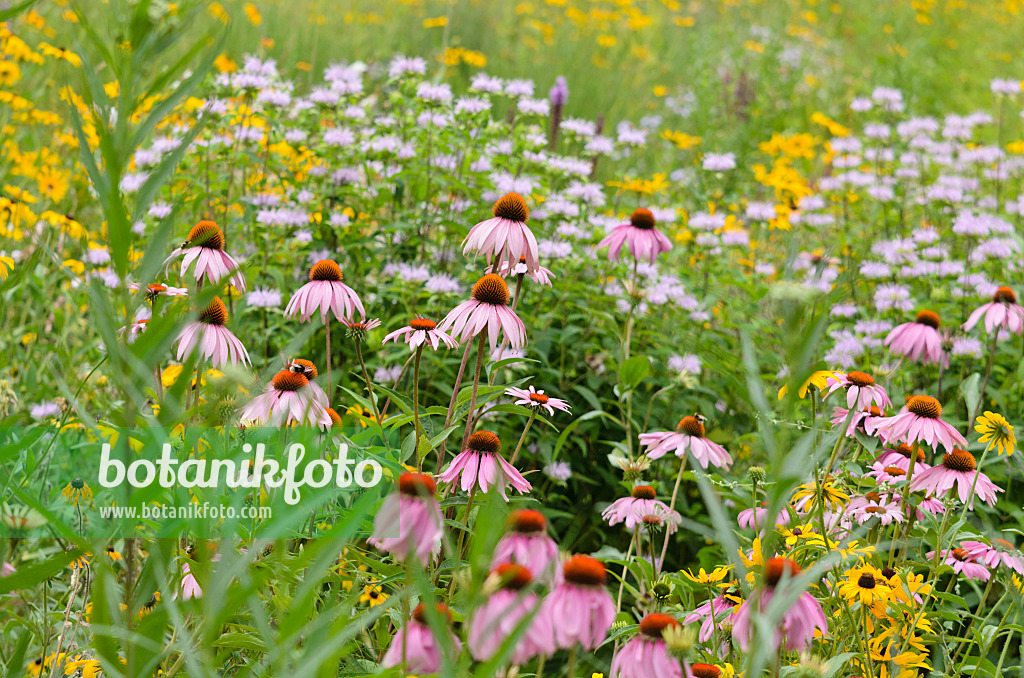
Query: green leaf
column 633, row 371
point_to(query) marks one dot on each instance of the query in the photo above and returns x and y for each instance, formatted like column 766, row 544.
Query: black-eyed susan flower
column 77, row 491
column 60, row 53
column 997, row 432
column 373, row 595
column 818, row 380
column 866, row 585
column 703, row 577
column 113, row 553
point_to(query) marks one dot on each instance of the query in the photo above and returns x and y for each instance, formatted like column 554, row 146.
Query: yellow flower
column 10, row 73
column 373, row 595
column 801, row 532
column 817, row 380
column 53, row 183
column 60, row 53
column 866, row 585
column 77, row 267
column 76, row 491
column 830, row 495
column 831, row 125
column 225, row 64
column 253, row 14
column 703, row 577
column 436, row 22
column 681, row 140
column 997, row 432
column 6, row 265
column 113, row 553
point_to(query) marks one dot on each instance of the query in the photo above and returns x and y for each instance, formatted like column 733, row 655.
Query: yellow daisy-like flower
column 906, row 588
column 997, row 432
column 373, row 595
column 801, row 533
column 703, row 577
column 864, row 584
column 832, row 497
column 816, row 380
column 113, row 553
column 60, row 54
column 76, row 491
column 852, row 549
column 6, row 265
column 755, row 563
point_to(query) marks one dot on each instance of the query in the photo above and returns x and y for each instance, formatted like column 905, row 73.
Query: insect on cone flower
column 204, row 247
column 421, row 648
column 1002, row 311
column 487, row 310
column 920, row 340
column 497, row 619
column 580, row 608
column 325, row 292
column 644, row 240
column 799, row 622
column 214, row 341
column 307, row 369
column 506, row 235
column 409, row 522
column 647, row 653
column 286, row 400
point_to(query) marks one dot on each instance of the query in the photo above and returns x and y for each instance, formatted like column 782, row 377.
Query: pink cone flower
column 189, row 586
column 535, row 398
column 858, row 422
column 758, row 518
column 900, row 457
column 205, row 248
column 861, row 390
column 958, row 469
column 409, row 522
column 963, row 563
column 689, row 435
column 506, row 236
column 580, row 609
column 419, row 332
column 1002, row 311
column 287, row 399
column 798, row 623
column 874, row 505
column 307, row 369
column 481, row 465
column 919, row 421
column 631, row 510
column 486, row 310
column 416, row 639
column 497, row 619
column 325, row 293
column 644, row 240
column 527, row 543
column 920, row 340
column 722, row 607
column 214, row 341
column 157, row 290
column 647, row 654
column 1001, row 552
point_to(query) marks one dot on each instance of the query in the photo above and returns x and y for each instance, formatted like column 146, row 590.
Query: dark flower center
column 691, row 426
column 866, row 581
column 77, row 483
column 514, row 576
column 653, row 624
column 925, row 406
column 416, row 484
column 775, row 568
column 206, row 234
column 1004, row 295
column 894, row 471
column 642, row 219
column 511, row 206
column 491, row 289
column 484, row 441
column 888, row 572
column 929, row 318
column 539, row 398
column 214, row 314
column 860, row 378
column 420, row 613
column 584, row 570
column 286, row 380
column 959, row 460
column 325, row 269
column 422, row 324
column 705, row 671
column 527, row 521
column 643, row 492
column 907, row 450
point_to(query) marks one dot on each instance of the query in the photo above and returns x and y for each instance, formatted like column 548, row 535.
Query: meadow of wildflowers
column 679, row 339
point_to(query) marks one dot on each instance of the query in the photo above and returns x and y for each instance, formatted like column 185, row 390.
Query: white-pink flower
column 506, row 236
column 535, row 398
column 325, row 293
column 421, row 331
